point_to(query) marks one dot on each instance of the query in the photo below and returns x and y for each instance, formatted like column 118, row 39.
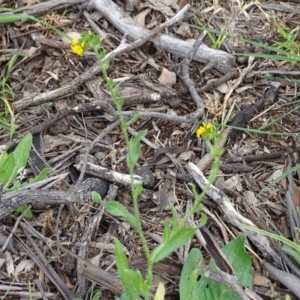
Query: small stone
column 96, row 185
column 146, row 174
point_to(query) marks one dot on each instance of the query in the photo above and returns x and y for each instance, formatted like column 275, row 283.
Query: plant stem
column 132, row 183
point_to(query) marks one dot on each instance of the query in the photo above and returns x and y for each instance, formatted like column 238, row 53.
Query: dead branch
column 9, row 202
column 218, row 59
column 233, row 216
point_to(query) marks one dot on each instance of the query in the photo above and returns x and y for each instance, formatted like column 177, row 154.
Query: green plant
column 194, row 285
column 18, row 17
column 175, row 233
column 6, row 90
column 290, row 43
column 12, row 164
column 281, row 54
column 291, row 248
column 216, row 39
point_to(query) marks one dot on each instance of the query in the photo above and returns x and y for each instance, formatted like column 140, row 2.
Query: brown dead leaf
column 182, row 3
column 184, row 30
column 140, row 18
column 167, row 77
column 262, row 281
column 166, row 7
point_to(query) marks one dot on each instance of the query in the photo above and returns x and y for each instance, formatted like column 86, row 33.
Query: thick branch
column 218, row 59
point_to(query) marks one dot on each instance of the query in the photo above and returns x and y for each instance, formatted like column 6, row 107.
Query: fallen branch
column 214, row 58
column 233, row 216
column 9, row 202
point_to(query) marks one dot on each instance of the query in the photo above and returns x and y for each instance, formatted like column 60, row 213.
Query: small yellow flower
column 206, row 129
column 76, row 48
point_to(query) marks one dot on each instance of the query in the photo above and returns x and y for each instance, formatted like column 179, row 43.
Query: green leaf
column 167, row 232
column 274, row 236
column 97, row 296
column 123, row 267
column 3, row 157
column 240, row 260
column 138, row 189
column 121, row 258
column 138, row 283
column 7, row 170
column 133, row 119
column 134, row 148
column 17, row 185
column 174, row 217
column 195, row 286
column 96, row 197
column 187, row 278
column 12, row 18
column 22, row 208
column 119, row 102
column 203, row 221
column 125, row 296
column 176, row 240
column 22, row 151
column 115, row 208
column 207, row 289
column 295, row 254
column 43, row 175
column 16, row 161
column 109, row 81
column 115, row 90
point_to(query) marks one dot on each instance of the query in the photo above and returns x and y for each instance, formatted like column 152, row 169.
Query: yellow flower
column 76, row 48
column 206, row 129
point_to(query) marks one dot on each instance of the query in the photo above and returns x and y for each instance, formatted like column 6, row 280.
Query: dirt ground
column 66, row 248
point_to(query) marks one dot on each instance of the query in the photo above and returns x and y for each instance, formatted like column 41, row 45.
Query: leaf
column 96, row 197
column 115, row 91
column 125, row 296
column 43, row 175
column 115, row 208
column 16, row 161
column 121, row 258
column 138, row 283
column 160, row 292
column 180, row 238
column 22, row 208
column 167, row 232
column 12, row 18
column 274, row 236
column 6, row 169
column 207, row 289
column 133, row 119
column 187, row 278
column 17, row 185
column 123, row 267
column 97, row 296
column 24, row 265
column 134, row 148
column 138, row 189
column 295, row 254
column 195, row 286
column 240, row 260
column 174, row 216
